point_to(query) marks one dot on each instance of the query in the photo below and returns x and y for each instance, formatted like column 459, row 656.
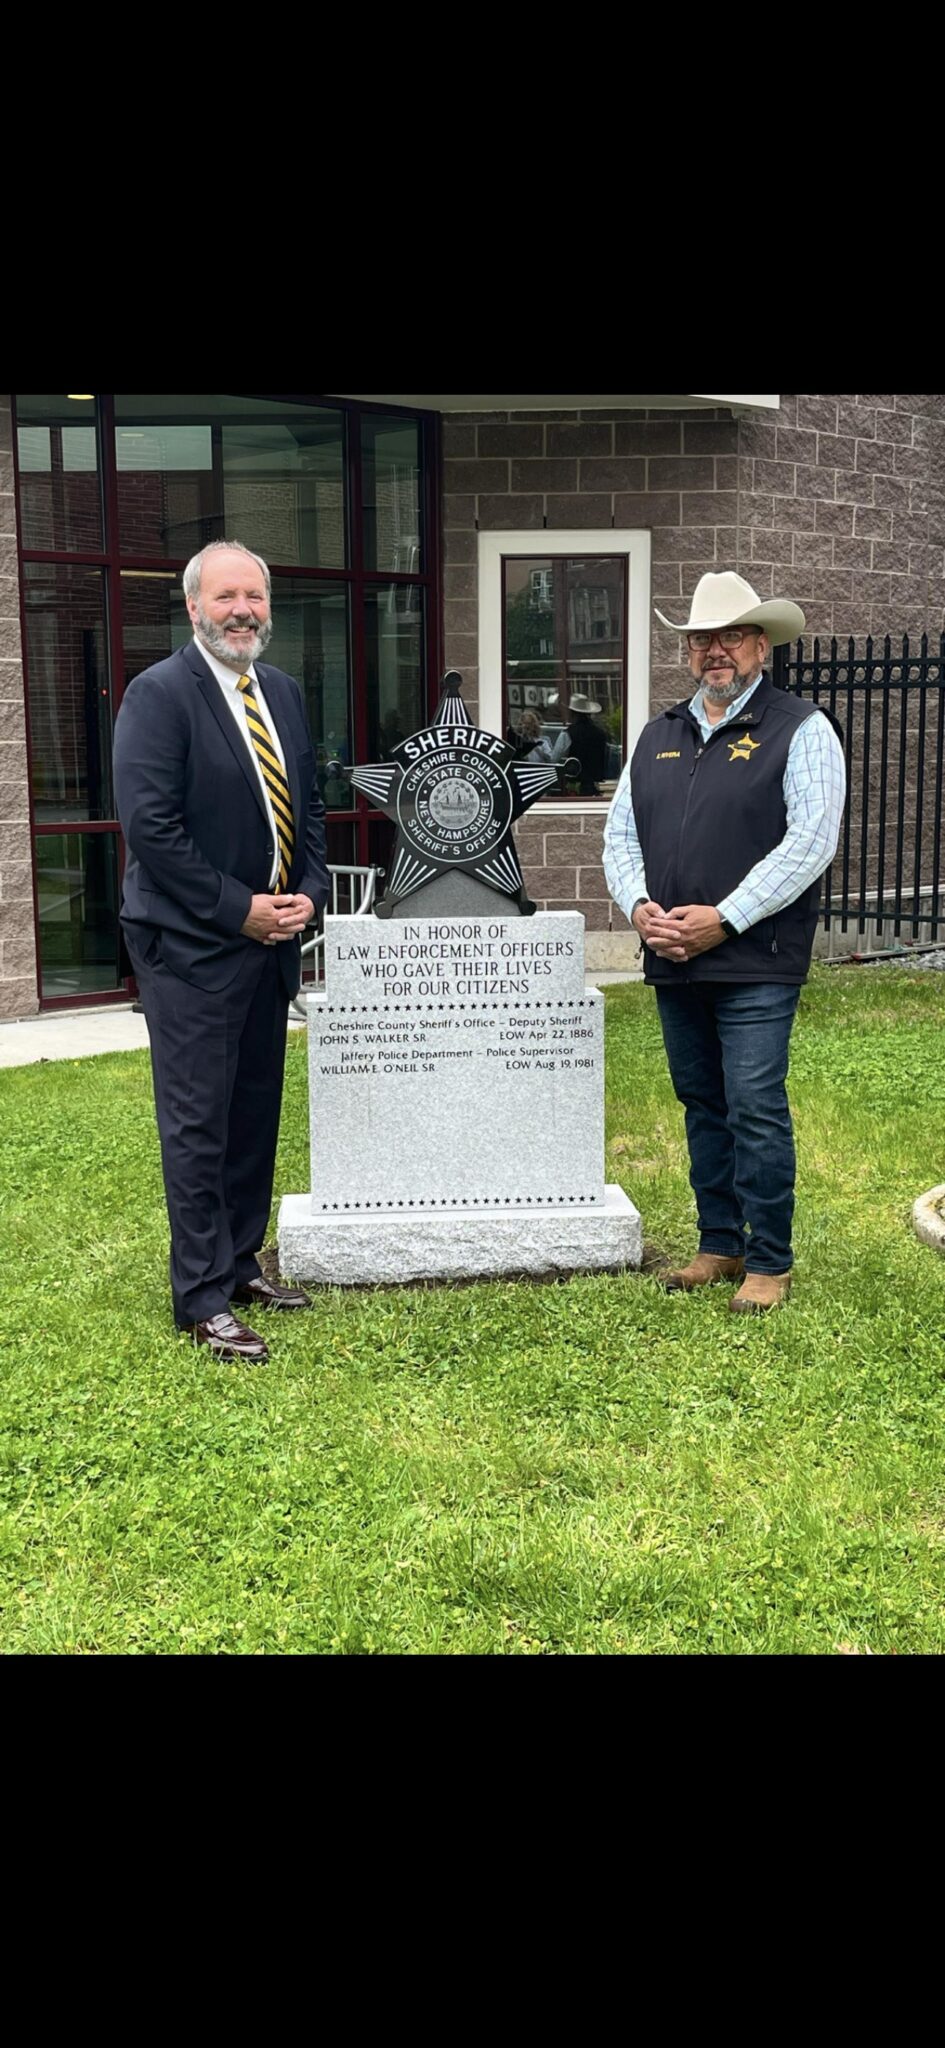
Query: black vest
column 705, row 812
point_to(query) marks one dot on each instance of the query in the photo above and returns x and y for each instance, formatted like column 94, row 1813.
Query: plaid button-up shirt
column 814, row 791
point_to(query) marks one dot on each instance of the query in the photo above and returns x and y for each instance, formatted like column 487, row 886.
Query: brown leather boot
column 700, row 1272
column 759, row 1292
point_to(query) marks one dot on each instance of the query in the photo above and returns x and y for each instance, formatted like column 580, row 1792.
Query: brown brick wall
column 18, row 995
column 560, row 852
column 837, row 502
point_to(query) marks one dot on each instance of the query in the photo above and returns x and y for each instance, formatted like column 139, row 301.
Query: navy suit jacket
column 199, row 842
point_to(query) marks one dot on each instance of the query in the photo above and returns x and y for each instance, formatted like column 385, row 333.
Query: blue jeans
column 727, row 1047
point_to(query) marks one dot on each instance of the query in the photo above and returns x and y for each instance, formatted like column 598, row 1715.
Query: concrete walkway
column 75, row 1034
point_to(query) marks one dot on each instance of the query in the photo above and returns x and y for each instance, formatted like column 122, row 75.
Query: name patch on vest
column 669, row 755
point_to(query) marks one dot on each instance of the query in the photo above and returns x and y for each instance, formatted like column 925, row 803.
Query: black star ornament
column 454, row 793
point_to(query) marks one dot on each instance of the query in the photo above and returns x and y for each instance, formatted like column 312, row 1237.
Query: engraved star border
column 381, row 783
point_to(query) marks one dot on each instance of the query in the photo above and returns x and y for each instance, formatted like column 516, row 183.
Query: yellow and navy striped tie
column 274, row 779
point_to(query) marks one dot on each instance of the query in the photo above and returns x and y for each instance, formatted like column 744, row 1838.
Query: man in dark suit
column 225, row 834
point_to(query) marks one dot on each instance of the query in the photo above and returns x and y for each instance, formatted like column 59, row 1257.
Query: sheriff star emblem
column 742, row 750
column 454, row 793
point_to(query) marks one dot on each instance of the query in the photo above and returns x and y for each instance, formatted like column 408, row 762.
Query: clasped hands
column 272, row 918
column 680, row 933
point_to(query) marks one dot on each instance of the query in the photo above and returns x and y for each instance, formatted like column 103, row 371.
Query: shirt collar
column 697, row 704
column 229, row 677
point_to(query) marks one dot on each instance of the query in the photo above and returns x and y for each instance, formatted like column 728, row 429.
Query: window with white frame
column 564, row 651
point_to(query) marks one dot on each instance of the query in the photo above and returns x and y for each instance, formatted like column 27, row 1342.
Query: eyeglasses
column 731, row 637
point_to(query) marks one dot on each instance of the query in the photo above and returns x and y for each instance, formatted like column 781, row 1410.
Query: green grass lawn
column 589, row 1465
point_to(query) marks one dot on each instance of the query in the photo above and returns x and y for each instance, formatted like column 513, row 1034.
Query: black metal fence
column 888, row 868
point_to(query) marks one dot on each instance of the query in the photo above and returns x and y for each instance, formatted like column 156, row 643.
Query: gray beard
column 722, row 693
column 215, row 638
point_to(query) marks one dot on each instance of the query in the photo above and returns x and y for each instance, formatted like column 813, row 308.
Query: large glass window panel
column 214, row 467
column 565, row 665
column 283, row 483
column 390, row 490
column 310, row 641
column 154, row 615
column 69, row 695
column 394, row 666
column 60, row 481
column 77, row 888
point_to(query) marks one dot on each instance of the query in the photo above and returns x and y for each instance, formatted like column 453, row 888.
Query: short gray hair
column 194, row 569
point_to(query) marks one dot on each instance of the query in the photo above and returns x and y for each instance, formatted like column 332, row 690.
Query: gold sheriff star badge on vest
column 742, row 750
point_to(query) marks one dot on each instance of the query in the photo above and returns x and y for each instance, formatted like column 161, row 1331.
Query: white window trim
column 631, row 542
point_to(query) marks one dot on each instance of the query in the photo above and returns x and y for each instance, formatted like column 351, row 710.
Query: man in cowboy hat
column 720, row 829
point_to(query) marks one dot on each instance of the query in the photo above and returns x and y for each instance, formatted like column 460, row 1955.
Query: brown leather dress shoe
column 227, row 1338
column 268, row 1294
column 759, row 1292
column 700, row 1272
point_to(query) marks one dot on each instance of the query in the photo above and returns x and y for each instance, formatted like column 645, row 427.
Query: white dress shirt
column 229, row 681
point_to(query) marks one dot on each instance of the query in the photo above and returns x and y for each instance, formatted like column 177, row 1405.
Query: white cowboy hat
column 580, row 703
column 727, row 600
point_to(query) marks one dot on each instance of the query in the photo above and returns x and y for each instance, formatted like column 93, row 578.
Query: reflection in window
column 563, row 703
column 310, row 640
column 77, row 890
column 391, row 494
column 60, row 492
column 285, row 484
column 394, row 665
column 69, row 698
column 155, row 620
column 192, row 470
column 589, row 613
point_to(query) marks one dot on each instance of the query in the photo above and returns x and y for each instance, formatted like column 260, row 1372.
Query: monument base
column 485, row 1244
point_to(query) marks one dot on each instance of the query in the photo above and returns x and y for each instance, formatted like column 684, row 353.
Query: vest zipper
column 697, row 756
column 700, row 748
